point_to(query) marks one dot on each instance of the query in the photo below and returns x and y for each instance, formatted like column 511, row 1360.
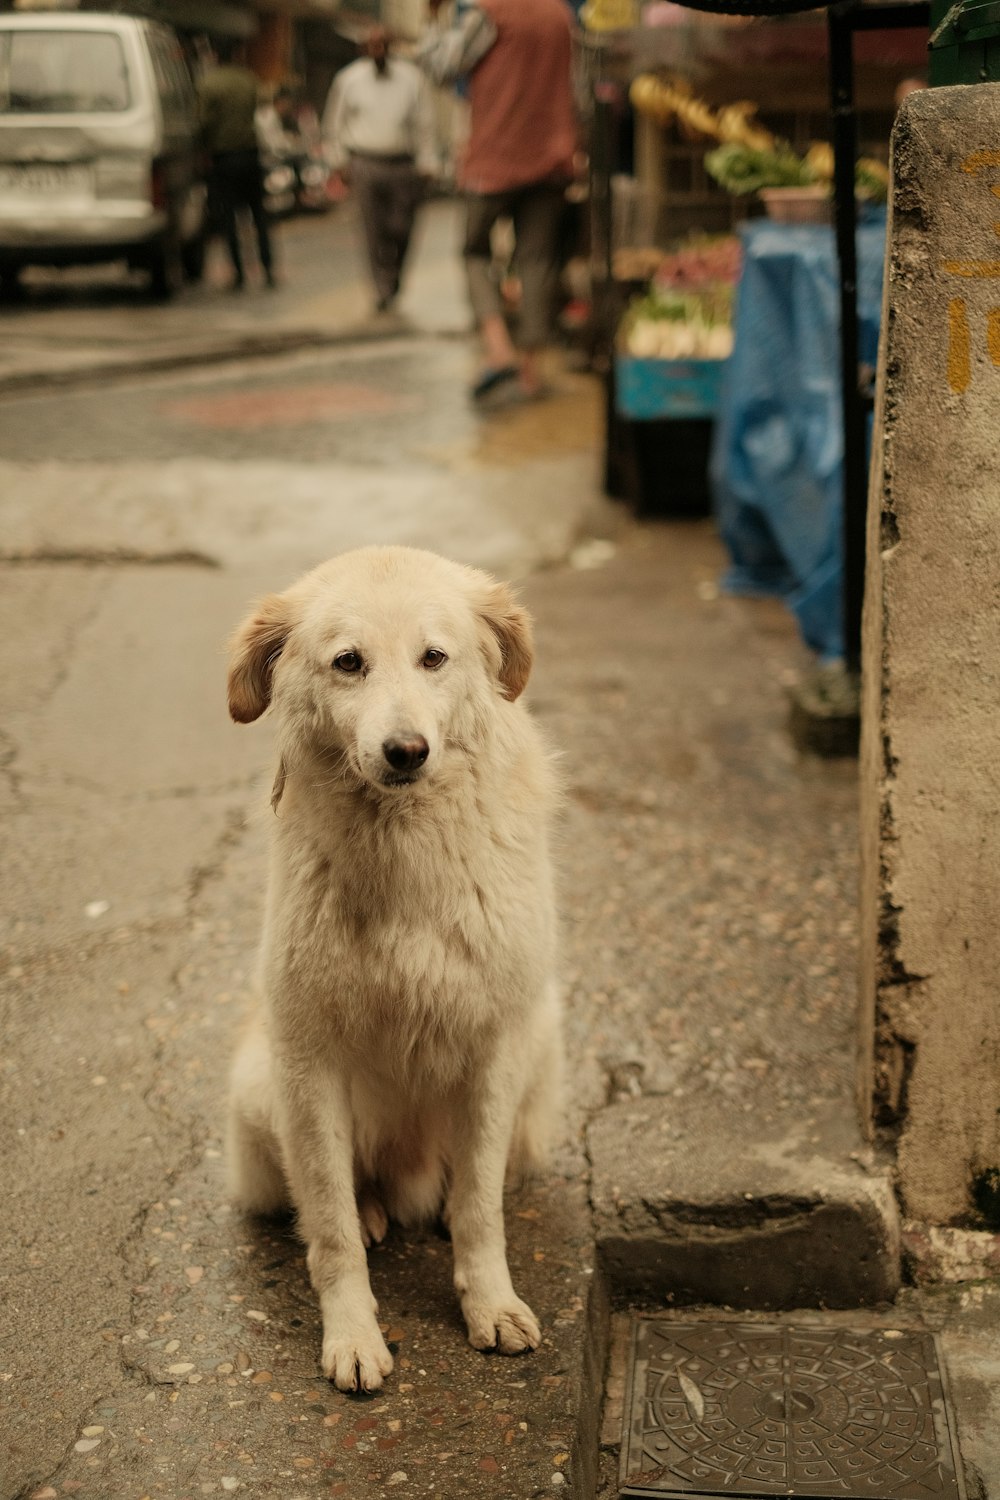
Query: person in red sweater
column 517, row 164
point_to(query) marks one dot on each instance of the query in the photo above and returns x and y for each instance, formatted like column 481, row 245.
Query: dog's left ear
column 253, row 651
column 510, row 626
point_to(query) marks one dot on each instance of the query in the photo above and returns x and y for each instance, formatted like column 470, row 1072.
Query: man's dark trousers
column 388, row 190
column 237, row 181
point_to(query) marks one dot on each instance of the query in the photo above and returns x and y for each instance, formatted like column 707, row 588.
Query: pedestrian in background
column 378, row 130
column 227, row 95
column 517, row 164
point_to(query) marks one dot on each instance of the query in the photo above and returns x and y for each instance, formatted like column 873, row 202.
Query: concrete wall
column 931, row 715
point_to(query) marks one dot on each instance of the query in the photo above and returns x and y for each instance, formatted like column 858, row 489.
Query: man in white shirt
column 378, row 132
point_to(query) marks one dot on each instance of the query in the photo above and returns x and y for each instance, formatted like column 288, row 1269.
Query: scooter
column 280, row 183
column 295, row 182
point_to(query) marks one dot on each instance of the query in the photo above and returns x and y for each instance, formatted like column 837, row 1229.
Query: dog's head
column 388, row 657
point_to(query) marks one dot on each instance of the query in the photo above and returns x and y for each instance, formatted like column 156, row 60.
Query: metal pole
column 855, row 484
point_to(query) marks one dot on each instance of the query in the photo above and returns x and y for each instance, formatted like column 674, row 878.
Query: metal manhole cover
column 760, row 1409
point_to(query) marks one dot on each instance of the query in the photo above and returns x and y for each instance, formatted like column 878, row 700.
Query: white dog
column 409, row 1046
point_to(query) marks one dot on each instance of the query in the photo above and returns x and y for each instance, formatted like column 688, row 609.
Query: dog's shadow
column 411, row 1279
column 410, row 1274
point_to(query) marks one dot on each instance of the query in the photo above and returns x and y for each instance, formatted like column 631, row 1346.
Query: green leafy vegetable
column 740, row 169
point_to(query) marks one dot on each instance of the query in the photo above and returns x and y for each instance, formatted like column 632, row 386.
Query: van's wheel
column 166, row 271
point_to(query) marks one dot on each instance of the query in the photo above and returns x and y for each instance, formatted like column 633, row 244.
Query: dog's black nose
column 406, row 753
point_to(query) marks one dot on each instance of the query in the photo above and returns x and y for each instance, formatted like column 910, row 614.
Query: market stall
column 672, row 344
column 778, row 453
column 708, row 159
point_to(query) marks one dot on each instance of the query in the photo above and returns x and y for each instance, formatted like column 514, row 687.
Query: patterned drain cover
column 759, row 1409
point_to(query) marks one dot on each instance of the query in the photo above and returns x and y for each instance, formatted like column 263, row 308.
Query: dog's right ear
column 253, row 651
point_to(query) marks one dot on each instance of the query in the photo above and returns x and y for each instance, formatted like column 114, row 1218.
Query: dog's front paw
column 356, row 1359
column 507, row 1325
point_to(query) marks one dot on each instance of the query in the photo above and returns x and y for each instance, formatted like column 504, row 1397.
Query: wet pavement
column 154, row 1342
column 366, row 433
column 293, row 458
column 157, row 1343
column 72, row 322
column 304, row 408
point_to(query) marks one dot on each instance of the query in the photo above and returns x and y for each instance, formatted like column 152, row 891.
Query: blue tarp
column 778, row 448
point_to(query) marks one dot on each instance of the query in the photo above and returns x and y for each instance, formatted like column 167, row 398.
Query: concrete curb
column 689, row 1212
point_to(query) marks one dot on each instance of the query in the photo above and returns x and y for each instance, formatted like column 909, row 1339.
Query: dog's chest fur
column 405, row 925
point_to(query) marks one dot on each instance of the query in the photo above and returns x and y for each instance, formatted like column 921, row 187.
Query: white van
column 99, row 152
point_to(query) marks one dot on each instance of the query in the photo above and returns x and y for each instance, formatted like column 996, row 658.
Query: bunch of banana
column 819, row 161
column 748, row 157
column 736, row 125
column 659, row 98
column 664, row 100
column 871, row 177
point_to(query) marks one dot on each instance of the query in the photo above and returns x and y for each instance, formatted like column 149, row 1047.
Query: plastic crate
column 648, row 389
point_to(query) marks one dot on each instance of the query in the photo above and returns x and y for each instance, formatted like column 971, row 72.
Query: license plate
column 43, row 177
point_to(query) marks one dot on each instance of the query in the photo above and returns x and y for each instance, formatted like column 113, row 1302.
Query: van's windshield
column 62, row 72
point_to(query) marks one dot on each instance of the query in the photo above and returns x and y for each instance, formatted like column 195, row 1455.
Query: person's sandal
column 489, row 380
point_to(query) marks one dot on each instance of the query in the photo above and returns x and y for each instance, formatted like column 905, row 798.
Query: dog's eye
column 433, row 658
column 347, row 661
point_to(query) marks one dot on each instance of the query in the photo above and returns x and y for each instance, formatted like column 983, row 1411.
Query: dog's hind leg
column 539, row 1117
column 256, row 1179
column 374, row 1219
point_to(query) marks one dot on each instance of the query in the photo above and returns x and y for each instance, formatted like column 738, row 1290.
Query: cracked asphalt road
column 158, row 1344
column 153, row 1343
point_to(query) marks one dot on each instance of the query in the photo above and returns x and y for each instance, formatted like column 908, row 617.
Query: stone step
column 692, row 1204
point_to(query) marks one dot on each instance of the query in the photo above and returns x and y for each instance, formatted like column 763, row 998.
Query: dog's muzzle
column 405, row 755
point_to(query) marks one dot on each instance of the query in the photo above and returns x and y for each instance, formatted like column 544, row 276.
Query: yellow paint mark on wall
column 993, row 334
column 959, row 339
column 977, row 160
column 959, row 359
column 979, row 270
